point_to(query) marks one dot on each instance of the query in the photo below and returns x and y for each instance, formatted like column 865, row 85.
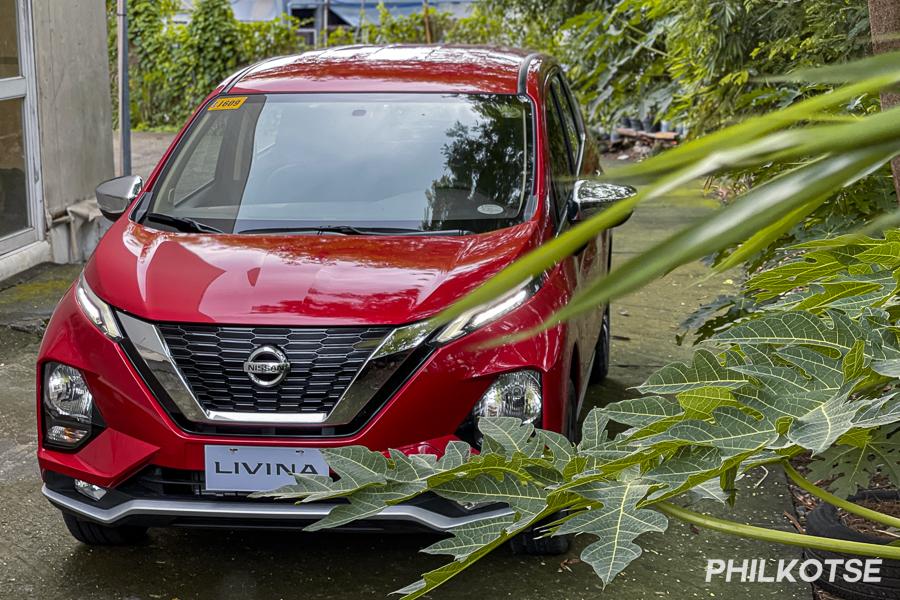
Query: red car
column 267, row 292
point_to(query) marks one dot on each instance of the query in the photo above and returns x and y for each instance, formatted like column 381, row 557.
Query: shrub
column 174, row 66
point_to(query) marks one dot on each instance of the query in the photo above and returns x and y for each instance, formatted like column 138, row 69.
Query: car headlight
column 477, row 317
column 95, row 309
column 68, row 406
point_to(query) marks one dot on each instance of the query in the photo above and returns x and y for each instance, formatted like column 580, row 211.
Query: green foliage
column 481, row 26
column 825, row 157
column 820, row 379
column 705, row 62
column 174, row 66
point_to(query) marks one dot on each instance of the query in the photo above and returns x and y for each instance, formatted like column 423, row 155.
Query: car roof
column 394, row 68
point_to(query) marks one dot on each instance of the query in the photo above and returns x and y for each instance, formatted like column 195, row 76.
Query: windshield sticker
column 490, row 209
column 229, row 103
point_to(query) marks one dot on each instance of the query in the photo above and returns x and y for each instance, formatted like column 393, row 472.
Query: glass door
column 19, row 170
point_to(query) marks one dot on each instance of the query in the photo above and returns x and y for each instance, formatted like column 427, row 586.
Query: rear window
column 423, row 162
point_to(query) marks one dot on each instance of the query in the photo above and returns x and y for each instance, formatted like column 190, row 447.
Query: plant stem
column 867, row 513
column 779, row 537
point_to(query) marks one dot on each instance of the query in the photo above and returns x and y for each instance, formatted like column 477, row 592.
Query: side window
column 573, row 134
column 560, row 158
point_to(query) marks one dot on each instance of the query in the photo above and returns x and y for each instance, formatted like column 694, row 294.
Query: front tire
column 94, row 534
column 529, row 543
column 600, row 368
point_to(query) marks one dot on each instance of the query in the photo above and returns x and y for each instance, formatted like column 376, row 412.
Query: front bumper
column 428, row 513
column 420, row 417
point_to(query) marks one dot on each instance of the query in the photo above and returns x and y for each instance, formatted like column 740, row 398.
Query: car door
column 574, row 156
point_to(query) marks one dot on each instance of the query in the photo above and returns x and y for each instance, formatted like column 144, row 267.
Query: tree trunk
column 884, row 21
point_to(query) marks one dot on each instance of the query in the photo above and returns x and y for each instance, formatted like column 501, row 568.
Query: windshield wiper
column 182, row 223
column 350, row 230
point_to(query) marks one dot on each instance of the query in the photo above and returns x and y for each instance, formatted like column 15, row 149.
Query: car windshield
column 350, row 162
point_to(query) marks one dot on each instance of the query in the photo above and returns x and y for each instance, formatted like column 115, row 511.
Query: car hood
column 294, row 279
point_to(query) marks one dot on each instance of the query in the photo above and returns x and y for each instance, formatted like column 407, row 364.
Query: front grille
column 323, row 363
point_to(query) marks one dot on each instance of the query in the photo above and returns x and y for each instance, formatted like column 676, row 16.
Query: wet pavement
column 38, row 559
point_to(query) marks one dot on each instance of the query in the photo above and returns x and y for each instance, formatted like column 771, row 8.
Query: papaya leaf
column 687, row 469
column 853, row 364
column 820, row 428
column 468, row 538
column 526, row 498
column 639, row 412
column 703, row 370
column 593, row 431
column 734, row 432
column 616, row 523
column 824, row 371
column 367, row 502
column 852, row 466
column 512, row 435
column 699, row 403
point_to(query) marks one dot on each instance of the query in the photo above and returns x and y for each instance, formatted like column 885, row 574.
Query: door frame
column 25, row 87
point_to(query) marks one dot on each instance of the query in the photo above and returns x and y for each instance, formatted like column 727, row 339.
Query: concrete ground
column 38, row 558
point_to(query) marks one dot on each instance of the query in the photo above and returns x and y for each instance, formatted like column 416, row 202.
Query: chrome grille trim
column 378, row 368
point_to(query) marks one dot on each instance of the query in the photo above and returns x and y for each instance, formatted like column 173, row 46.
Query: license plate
column 258, row 468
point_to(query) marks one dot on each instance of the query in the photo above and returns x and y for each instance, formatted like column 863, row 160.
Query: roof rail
column 240, row 74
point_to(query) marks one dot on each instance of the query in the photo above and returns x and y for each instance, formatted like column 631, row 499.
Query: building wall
column 74, row 104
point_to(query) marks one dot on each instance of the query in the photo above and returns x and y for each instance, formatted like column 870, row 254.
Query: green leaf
column 732, row 224
column 616, row 524
column 699, row 403
column 878, row 411
column 455, row 454
column 769, row 234
column 366, row 503
column 525, row 498
column 408, row 468
column 822, row 426
column 886, row 254
column 593, row 431
column 853, row 466
column 733, row 432
column 687, row 469
column 784, row 278
column 884, row 64
column 796, row 327
column 639, row 412
column 357, row 466
column 824, row 371
column 887, row 367
column 703, row 370
column 561, row 449
column 469, row 538
column 854, row 363
column 512, row 435
column 778, row 380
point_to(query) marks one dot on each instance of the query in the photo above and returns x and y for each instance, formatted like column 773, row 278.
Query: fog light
column 94, row 492
column 516, row 394
column 66, row 394
column 69, row 413
column 69, row 436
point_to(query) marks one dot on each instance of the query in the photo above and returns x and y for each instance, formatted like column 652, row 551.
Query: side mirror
column 591, row 197
column 115, row 195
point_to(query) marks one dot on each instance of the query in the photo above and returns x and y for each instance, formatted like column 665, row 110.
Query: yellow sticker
column 227, row 103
